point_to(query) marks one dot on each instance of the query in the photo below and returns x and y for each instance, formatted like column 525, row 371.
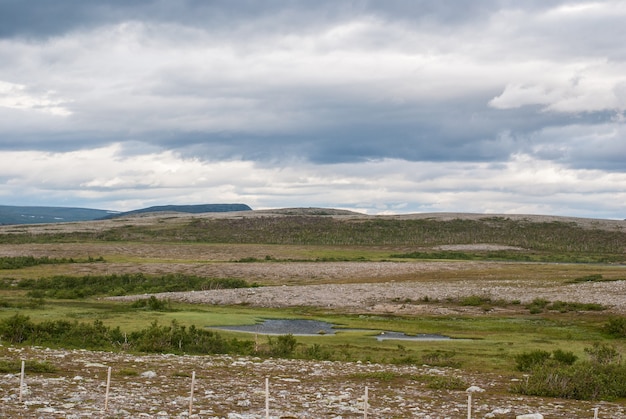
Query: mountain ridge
column 19, row 215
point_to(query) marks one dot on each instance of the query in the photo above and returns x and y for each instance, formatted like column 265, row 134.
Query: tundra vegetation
column 54, row 292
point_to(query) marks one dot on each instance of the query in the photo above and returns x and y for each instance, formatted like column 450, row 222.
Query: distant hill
column 42, row 215
column 192, row 209
column 10, row 215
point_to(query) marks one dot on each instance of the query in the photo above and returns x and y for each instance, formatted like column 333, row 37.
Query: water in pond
column 314, row 327
column 285, row 327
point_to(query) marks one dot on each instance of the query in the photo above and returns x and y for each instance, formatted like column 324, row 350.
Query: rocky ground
column 401, row 297
column 159, row 386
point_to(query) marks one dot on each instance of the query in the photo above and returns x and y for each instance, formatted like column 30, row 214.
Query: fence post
column 267, row 397
column 193, row 383
column 365, row 403
column 21, row 381
column 106, row 394
column 472, row 389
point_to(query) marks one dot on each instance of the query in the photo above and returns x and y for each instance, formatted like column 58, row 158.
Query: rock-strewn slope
column 158, row 386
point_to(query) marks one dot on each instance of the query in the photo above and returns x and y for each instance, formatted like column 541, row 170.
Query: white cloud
column 106, row 178
column 360, row 85
column 16, row 96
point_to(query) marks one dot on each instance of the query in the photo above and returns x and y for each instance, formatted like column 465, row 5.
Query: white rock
column 244, row 403
column 46, row 410
column 94, row 364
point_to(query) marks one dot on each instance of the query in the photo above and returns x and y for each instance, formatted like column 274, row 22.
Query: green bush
column 15, row 366
column 528, row 360
column 475, row 300
column 68, row 287
column 537, row 305
column 601, row 377
column 152, row 304
column 316, row 351
column 175, row 338
column 565, row 307
column 564, row 357
column 602, row 354
column 16, row 329
column 616, row 327
column 282, row 346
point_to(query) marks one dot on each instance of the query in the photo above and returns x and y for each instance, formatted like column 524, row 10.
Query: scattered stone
column 298, row 388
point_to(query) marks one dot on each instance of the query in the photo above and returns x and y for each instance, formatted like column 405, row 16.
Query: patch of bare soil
column 159, row 386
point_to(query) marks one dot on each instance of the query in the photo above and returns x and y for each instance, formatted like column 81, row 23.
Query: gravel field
column 395, row 296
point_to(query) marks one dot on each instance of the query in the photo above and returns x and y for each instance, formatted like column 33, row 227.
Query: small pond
column 299, row 327
column 285, row 327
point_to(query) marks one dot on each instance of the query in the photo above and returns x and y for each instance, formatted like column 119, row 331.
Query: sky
column 381, row 107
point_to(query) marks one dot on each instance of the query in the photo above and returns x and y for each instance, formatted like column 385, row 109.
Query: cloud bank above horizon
column 493, row 106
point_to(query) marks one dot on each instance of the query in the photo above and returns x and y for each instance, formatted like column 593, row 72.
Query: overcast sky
column 395, row 106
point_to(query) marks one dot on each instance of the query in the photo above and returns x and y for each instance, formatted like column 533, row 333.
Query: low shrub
column 528, row 360
column 475, row 300
column 316, row 351
column 616, row 327
column 14, row 366
column 69, row 287
column 565, row 307
column 601, row 377
column 282, row 346
column 152, row 304
column 537, row 306
column 19, row 329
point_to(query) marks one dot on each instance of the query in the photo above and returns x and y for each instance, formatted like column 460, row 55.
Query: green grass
column 480, row 343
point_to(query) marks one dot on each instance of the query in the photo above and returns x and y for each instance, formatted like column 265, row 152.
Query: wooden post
column 469, row 405
column 267, row 398
column 193, row 383
column 365, row 403
column 106, row 394
column 595, row 412
column 21, row 381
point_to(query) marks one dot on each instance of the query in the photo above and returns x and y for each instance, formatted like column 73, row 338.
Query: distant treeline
column 69, row 287
column 513, row 256
column 17, row 262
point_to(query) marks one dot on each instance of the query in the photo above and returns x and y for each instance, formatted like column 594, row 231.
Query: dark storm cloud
column 42, row 18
